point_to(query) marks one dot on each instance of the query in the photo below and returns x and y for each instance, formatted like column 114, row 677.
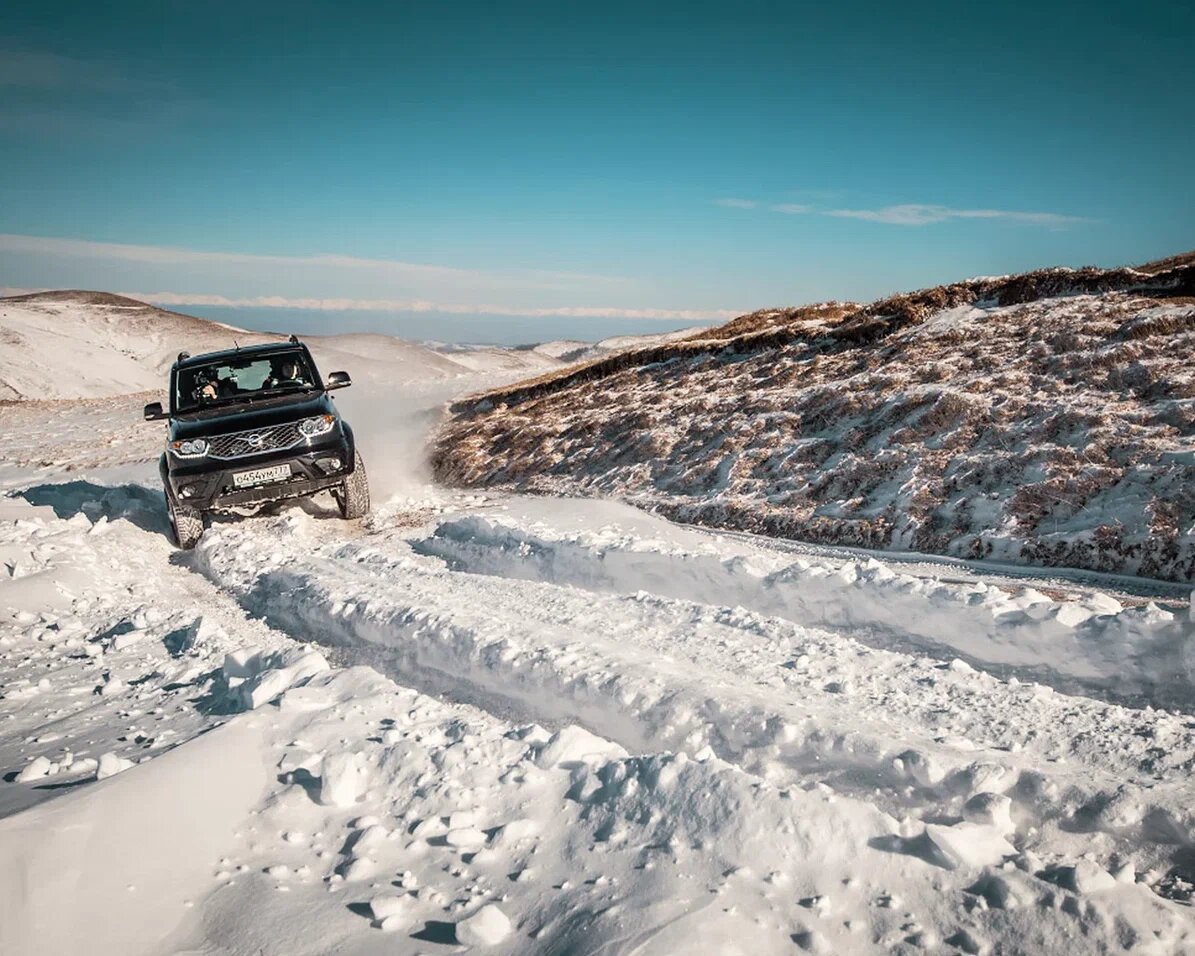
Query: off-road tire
column 187, row 523
column 354, row 493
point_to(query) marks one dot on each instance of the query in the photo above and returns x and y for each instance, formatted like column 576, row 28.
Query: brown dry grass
column 1050, row 421
column 850, row 324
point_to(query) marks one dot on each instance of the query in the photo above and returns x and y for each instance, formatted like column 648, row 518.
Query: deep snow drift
column 506, row 725
column 1045, row 419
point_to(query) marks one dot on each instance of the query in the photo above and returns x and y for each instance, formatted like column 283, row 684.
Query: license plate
column 260, row 476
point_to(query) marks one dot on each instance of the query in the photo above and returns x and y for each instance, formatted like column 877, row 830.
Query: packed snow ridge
column 1046, row 419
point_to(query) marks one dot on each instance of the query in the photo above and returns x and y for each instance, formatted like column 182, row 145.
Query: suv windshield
column 241, row 379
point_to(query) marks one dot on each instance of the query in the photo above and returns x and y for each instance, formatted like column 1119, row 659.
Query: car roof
column 247, row 351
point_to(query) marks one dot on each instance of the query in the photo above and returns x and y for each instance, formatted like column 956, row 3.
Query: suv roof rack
column 182, row 356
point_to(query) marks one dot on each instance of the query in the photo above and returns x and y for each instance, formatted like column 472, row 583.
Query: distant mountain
column 80, row 344
column 572, row 351
column 1046, row 418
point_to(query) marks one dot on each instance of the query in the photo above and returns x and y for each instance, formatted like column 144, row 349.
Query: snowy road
column 549, row 726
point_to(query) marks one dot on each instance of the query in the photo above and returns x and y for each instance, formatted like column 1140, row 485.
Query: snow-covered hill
column 1047, row 418
column 573, row 350
column 73, row 344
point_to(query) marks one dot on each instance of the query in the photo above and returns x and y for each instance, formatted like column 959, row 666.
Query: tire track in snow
column 911, row 735
column 1089, row 646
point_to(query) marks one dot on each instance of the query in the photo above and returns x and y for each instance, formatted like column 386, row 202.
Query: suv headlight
column 191, row 448
column 310, row 427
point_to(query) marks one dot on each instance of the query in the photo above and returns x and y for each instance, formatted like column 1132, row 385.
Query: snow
column 546, row 725
column 343, row 779
column 570, row 351
column 1088, row 638
column 110, row 765
column 489, row 926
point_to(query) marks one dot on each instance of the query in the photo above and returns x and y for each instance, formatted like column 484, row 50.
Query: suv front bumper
column 207, row 483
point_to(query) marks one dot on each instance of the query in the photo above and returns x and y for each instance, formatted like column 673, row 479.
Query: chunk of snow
column 969, row 942
column 990, row 809
column 242, row 663
column 368, row 839
column 1126, row 873
column 343, row 779
column 110, row 764
column 280, row 673
column 577, row 745
column 998, row 891
column 37, row 768
column 920, row 768
column 122, row 641
column 361, row 869
column 383, row 907
column 982, row 777
column 466, row 838
column 487, row 927
column 517, row 830
column 968, row 844
column 1071, row 614
column 1085, row 877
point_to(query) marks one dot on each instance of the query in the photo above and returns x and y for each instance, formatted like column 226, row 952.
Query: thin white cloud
column 41, row 70
column 382, row 285
column 918, row 214
column 170, row 255
column 31, row 69
column 420, row 305
column 911, row 214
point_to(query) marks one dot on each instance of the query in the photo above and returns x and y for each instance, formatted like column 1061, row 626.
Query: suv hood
column 234, row 418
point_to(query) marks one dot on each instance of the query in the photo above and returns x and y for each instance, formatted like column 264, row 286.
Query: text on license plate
column 260, row 476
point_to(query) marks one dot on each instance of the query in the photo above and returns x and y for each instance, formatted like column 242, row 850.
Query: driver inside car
column 285, row 371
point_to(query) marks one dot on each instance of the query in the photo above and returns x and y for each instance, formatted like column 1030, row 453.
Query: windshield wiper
column 284, row 388
column 248, row 398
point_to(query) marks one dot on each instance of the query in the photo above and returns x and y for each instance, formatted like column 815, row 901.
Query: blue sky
column 500, row 172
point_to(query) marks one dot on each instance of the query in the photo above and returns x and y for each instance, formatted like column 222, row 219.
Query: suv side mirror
column 153, row 412
column 337, row 380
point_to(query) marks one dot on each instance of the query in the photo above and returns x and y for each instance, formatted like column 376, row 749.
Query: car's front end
column 248, row 455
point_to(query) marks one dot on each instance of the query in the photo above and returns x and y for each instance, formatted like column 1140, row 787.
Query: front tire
column 187, row 523
column 354, row 493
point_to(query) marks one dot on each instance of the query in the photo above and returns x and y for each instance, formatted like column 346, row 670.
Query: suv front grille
column 254, row 441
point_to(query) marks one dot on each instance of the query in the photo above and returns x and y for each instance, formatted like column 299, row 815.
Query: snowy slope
column 571, row 350
column 95, row 345
column 1046, row 419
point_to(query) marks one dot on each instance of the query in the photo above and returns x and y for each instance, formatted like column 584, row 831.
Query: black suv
column 251, row 425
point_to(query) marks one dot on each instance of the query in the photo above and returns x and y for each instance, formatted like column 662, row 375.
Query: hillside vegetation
column 1046, row 418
